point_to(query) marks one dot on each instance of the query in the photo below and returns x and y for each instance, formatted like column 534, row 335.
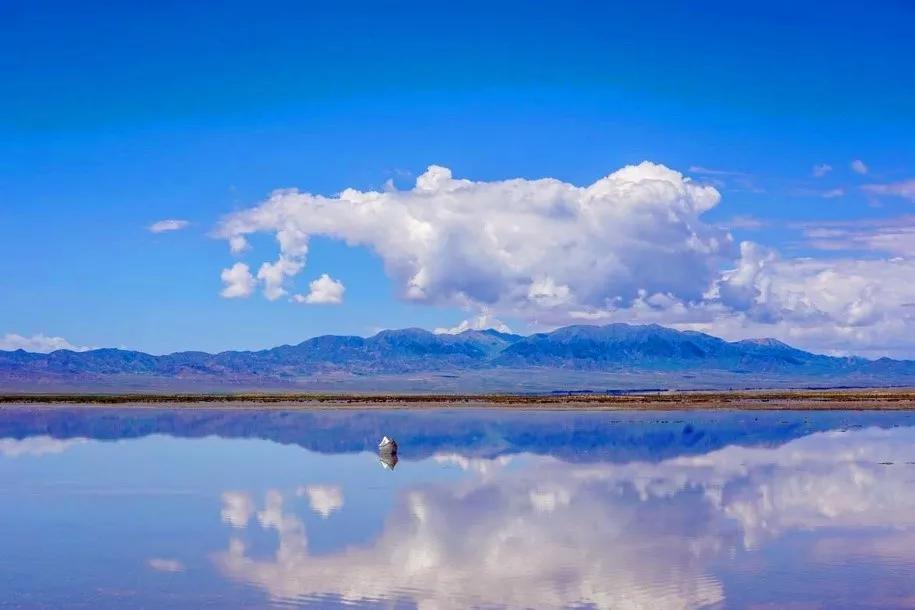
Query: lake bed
column 112, row 507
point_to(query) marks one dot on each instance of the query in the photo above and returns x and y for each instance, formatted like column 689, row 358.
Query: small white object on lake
column 387, row 445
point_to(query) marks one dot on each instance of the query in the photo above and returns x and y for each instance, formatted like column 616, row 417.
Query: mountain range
column 597, row 358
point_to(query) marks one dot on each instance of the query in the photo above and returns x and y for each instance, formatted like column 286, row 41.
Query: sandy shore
column 859, row 399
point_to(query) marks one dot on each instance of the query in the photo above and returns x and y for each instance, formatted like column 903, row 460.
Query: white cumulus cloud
column 39, row 343
column 238, row 281
column 633, row 246
column 273, row 275
column 170, row 224
column 323, row 291
column 837, row 305
column 512, row 244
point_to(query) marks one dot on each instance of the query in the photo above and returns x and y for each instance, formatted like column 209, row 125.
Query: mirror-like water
column 118, row 508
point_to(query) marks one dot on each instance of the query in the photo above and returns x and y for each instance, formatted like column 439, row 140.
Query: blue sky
column 115, row 117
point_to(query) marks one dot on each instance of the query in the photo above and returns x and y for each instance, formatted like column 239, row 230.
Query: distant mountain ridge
column 566, row 356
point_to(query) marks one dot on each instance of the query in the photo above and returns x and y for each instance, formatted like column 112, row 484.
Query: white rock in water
column 387, row 445
column 388, row 460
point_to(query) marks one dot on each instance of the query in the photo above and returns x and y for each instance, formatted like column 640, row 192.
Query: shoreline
column 892, row 399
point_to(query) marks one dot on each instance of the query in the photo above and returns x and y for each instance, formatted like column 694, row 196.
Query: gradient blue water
column 154, row 508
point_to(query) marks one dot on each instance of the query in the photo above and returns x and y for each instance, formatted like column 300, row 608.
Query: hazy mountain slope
column 654, row 347
column 654, row 355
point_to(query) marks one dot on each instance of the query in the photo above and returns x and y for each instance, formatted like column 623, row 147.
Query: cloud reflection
column 237, row 508
column 165, row 565
column 323, row 499
column 637, row 535
column 36, row 446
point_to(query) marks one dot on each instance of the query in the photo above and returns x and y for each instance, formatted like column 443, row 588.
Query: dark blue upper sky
column 116, row 115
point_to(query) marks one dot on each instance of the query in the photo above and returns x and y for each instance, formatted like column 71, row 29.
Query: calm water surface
column 485, row 509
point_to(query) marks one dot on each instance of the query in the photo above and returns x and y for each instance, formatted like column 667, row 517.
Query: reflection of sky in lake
column 558, row 510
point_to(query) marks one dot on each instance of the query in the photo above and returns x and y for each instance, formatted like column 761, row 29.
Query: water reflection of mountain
column 571, row 436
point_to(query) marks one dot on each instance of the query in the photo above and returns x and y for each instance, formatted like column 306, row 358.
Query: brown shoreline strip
column 858, row 399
